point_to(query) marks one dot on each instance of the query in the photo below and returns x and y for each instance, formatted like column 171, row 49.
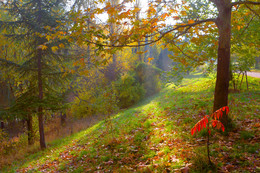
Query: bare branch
column 238, row 37
column 184, row 52
column 246, row 26
column 252, row 10
column 245, row 2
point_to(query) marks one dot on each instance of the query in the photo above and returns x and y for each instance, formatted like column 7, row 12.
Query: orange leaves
column 164, row 15
column 239, row 27
column 150, row 59
column 200, row 125
column 226, row 108
column 124, row 15
column 176, row 17
column 218, row 124
column 183, row 13
column 43, row 47
column 215, row 121
column 61, row 45
column 219, row 113
column 191, row 21
column 151, row 10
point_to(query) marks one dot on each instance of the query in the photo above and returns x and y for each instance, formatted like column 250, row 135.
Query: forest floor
column 155, row 136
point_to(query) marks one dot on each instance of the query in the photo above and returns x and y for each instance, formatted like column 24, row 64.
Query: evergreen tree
column 33, row 21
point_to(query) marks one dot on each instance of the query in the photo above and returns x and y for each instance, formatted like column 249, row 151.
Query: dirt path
column 253, row 74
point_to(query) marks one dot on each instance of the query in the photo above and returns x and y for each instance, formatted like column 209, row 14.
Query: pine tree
column 33, row 21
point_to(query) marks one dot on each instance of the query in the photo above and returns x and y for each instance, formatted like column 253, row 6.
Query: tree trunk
column 222, row 83
column 242, row 80
column 40, row 85
column 30, row 129
column 246, row 80
column 40, row 109
column 113, row 69
column 2, row 125
column 63, row 118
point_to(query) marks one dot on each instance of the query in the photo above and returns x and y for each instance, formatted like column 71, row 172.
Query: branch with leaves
column 204, row 123
column 215, row 117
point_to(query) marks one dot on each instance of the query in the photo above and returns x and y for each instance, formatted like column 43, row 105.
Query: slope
column 155, row 136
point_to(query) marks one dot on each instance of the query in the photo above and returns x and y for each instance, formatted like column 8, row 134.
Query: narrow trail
column 253, row 74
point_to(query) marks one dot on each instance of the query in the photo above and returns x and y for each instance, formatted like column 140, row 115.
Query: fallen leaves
column 154, row 139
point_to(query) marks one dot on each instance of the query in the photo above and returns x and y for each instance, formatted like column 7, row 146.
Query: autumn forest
column 129, row 86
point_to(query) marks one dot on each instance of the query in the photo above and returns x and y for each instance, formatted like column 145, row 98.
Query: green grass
column 255, row 70
column 154, row 136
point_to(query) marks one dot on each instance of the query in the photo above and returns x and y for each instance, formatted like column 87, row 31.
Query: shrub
column 3, row 139
column 204, row 124
column 8, row 145
column 128, row 90
column 149, row 77
column 95, row 102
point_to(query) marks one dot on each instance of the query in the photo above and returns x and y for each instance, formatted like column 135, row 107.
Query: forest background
column 61, row 64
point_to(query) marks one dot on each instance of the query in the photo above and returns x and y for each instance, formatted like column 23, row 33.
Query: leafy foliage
column 148, row 76
column 98, row 101
column 203, row 123
column 128, row 90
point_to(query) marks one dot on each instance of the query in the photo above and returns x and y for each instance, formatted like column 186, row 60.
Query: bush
column 128, row 90
column 149, row 77
column 95, row 101
column 3, row 139
column 11, row 145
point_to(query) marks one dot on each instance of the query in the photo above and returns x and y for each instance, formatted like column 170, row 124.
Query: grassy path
column 155, row 136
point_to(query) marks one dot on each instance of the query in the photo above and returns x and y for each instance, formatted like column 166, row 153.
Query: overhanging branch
column 252, row 10
column 245, row 2
column 162, row 34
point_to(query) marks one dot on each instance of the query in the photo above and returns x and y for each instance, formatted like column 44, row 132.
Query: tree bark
column 40, row 85
column 113, row 69
column 63, row 118
column 40, row 109
column 2, row 125
column 242, row 80
column 222, row 83
column 30, row 129
column 246, row 80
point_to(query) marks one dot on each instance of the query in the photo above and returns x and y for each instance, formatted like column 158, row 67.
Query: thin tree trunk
column 30, row 129
column 208, row 148
column 222, row 83
column 138, row 5
column 40, row 109
column 246, row 80
column 113, row 70
column 40, row 85
column 63, row 118
column 242, row 80
column 2, row 125
column 237, row 80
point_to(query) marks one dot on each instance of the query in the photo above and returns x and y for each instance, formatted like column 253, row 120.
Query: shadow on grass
column 52, row 147
column 130, row 129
